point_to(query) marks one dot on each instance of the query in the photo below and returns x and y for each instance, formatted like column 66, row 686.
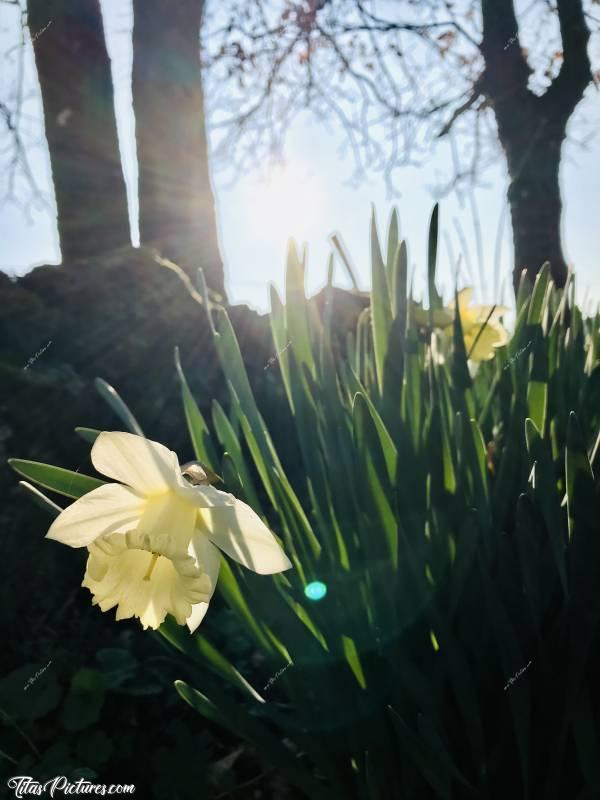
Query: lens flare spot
column 316, row 590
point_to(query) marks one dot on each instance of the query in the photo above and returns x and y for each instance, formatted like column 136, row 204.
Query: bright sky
column 311, row 197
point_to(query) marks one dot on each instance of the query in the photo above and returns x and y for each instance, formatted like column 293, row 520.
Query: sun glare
column 285, row 204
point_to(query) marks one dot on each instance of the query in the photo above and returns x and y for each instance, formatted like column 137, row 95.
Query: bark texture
column 535, row 202
column 74, row 72
column 532, row 128
column 177, row 210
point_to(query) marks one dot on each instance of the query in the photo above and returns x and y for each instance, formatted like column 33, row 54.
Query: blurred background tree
column 177, row 215
column 398, row 75
column 177, row 209
column 77, row 94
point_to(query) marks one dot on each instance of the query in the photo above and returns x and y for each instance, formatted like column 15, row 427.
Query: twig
column 489, row 316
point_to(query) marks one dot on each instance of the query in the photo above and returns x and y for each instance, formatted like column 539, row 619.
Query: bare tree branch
column 507, row 70
column 575, row 73
column 473, row 97
column 18, row 149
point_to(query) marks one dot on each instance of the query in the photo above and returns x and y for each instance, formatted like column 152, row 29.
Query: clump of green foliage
column 452, row 515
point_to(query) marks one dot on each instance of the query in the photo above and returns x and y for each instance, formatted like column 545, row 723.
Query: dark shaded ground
column 106, row 701
column 119, row 321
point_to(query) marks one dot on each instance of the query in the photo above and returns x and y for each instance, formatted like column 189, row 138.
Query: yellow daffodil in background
column 154, row 540
column 442, row 317
column 486, row 336
column 482, row 329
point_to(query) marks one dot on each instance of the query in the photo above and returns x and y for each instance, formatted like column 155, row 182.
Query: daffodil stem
column 153, row 561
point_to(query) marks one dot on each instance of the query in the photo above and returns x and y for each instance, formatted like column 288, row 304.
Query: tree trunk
column 533, row 128
column 534, row 198
column 74, row 73
column 177, row 211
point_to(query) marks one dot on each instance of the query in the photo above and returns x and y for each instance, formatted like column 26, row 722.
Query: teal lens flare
column 316, row 590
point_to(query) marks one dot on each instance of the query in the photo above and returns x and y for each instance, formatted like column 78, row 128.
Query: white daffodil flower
column 145, row 577
column 154, row 539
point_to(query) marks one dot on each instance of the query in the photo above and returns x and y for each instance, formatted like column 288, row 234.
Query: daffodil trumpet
column 155, row 538
column 482, row 327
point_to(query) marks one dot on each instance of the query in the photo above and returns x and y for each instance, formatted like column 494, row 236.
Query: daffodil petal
column 208, row 559
column 464, row 299
column 147, row 466
column 169, row 517
column 206, row 555
column 107, row 509
column 502, row 334
column 492, row 336
column 197, row 615
column 241, row 534
column 203, row 496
